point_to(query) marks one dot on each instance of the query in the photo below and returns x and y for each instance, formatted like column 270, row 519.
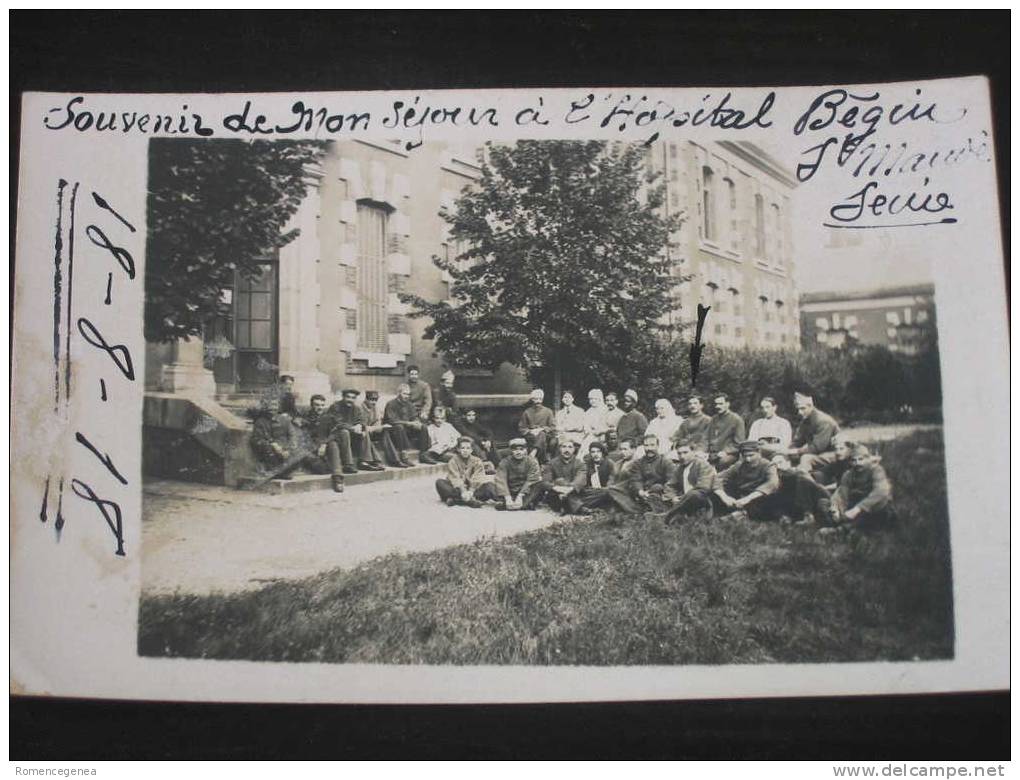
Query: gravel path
column 200, row 539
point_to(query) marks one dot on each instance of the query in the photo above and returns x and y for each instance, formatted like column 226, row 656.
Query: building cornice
column 760, row 159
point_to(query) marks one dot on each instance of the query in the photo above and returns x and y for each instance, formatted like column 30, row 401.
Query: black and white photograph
column 542, row 402
column 510, row 396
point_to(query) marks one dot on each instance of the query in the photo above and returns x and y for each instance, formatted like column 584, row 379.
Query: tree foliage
column 564, row 264
column 215, row 207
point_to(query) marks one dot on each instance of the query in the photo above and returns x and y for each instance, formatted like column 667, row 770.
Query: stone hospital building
column 326, row 309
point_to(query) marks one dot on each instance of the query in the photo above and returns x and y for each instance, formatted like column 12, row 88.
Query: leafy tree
column 214, row 207
column 565, row 267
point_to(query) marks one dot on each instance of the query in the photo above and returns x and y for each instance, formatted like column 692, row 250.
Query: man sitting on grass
column 864, row 497
column 646, row 481
column 812, row 441
column 725, row 432
column 443, row 438
column 600, row 472
column 829, row 467
column 518, row 478
column 694, row 428
column 799, row 496
column 466, row 481
column 689, row 492
column 562, row 478
column 770, row 430
column 622, row 456
column 741, row 489
column 613, row 412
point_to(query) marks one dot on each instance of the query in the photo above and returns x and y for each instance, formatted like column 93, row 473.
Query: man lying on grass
column 518, row 479
column 466, row 481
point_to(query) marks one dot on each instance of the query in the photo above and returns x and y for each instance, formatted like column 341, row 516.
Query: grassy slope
column 592, row 592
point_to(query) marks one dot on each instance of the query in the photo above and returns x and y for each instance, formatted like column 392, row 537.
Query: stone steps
column 304, row 483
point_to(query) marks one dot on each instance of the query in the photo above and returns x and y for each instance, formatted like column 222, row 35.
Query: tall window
column 731, row 193
column 777, row 227
column 759, row 227
column 373, row 288
column 708, row 226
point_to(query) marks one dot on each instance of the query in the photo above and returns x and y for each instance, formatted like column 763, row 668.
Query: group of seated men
column 609, row 456
column 346, row 437
column 613, row 458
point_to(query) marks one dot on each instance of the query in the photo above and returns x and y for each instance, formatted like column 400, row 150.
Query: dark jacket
column 742, row 479
column 270, row 429
column 319, row 426
column 607, row 473
column 537, row 416
column 516, row 476
column 398, row 410
column 725, row 432
column 866, row 487
column 565, row 472
column 694, row 431
column 346, row 417
column 476, row 431
column 701, row 477
column 815, row 432
column 632, row 426
column 644, row 473
column 421, row 396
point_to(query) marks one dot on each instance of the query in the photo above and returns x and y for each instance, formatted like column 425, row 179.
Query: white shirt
column 664, row 428
column 443, row 437
column 771, row 428
column 570, row 423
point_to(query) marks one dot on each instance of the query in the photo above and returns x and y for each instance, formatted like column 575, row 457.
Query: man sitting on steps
column 380, row 431
column 356, row 448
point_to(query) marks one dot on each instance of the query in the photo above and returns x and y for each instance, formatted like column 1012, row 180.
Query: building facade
column 326, row 310
column 899, row 318
column 736, row 243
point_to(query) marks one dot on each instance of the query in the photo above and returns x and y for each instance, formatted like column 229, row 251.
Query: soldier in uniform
column 812, row 441
column 517, row 479
column 864, row 497
column 645, row 481
column 323, row 451
column 349, row 429
column 380, row 432
column 741, row 490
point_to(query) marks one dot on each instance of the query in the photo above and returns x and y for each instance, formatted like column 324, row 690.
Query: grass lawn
column 594, row 592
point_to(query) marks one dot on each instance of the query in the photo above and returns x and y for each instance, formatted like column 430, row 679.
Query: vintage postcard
column 499, row 396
